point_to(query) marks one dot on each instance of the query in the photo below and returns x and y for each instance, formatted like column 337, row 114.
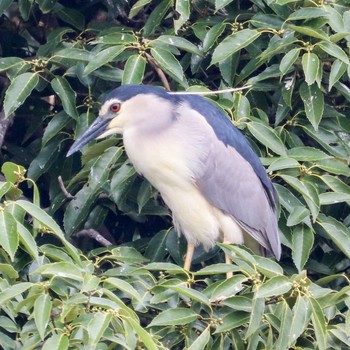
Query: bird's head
column 128, row 106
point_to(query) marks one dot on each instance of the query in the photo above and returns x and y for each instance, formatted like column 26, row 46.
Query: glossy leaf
column 267, row 137
column 182, row 7
column 66, row 94
column 310, row 63
column 96, row 327
column 319, row 323
column 134, row 70
column 212, row 35
column 337, row 71
column 181, row 43
column 20, row 88
column 334, row 50
column 103, row 57
column 201, row 342
column 13, row 291
column 234, row 43
column 168, row 62
column 174, row 317
column 155, row 17
column 297, row 215
column 138, row 6
column 288, row 60
column 275, row 286
column 303, row 240
column 9, row 236
column 42, row 312
column 313, row 102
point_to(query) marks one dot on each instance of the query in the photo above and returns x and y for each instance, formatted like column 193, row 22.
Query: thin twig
column 209, row 92
column 160, row 73
column 64, row 190
column 91, row 233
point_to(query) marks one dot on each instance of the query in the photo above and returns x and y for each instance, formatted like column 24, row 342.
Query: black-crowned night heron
column 204, row 168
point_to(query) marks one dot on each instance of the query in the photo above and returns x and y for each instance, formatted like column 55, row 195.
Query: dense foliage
column 62, row 285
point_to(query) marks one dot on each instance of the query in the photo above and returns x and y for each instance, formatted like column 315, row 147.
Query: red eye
column 115, row 107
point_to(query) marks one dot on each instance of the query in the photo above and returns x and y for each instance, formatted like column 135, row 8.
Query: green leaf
column 337, row 232
column 156, row 17
column 46, row 5
column 10, row 62
column 56, row 342
column 313, row 100
column 4, row 188
column 9, row 236
column 303, row 240
column 267, row 136
column 156, row 248
column 242, row 106
column 4, row 4
column 20, row 88
column 71, row 16
column 288, row 60
column 333, row 198
column 174, row 317
column 125, row 287
column 239, row 303
column 97, row 327
column 42, row 312
column 301, row 315
column 315, row 33
column 103, row 57
column 311, row 64
column 55, row 125
column 297, row 215
column 275, row 286
column 14, row 173
column 308, row 192
column 334, row 166
column 181, row 43
column 137, row 7
column 66, row 94
column 13, row 291
column 144, row 336
column 334, row 50
column 307, row 154
column 182, row 7
column 231, row 321
column 258, row 308
column 201, row 341
column 219, row 4
column 8, row 270
column 268, row 267
column 63, row 269
column 307, row 13
column 285, row 326
column 116, row 38
column 337, row 71
column 212, row 35
column 27, row 240
column 226, row 288
column 319, row 323
column 283, row 163
column 40, row 215
column 234, row 43
column 134, row 70
column 168, row 62
column 72, row 54
column 190, row 293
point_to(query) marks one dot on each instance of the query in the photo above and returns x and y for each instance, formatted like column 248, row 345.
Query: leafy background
column 62, row 285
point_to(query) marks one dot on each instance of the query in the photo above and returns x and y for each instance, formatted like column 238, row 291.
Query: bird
column 204, row 168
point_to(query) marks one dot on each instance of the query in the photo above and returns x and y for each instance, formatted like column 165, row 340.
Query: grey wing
column 230, row 183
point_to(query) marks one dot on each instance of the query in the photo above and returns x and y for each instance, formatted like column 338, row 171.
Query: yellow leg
column 189, row 256
column 228, row 260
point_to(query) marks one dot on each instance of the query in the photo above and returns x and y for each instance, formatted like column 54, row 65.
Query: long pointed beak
column 95, row 129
